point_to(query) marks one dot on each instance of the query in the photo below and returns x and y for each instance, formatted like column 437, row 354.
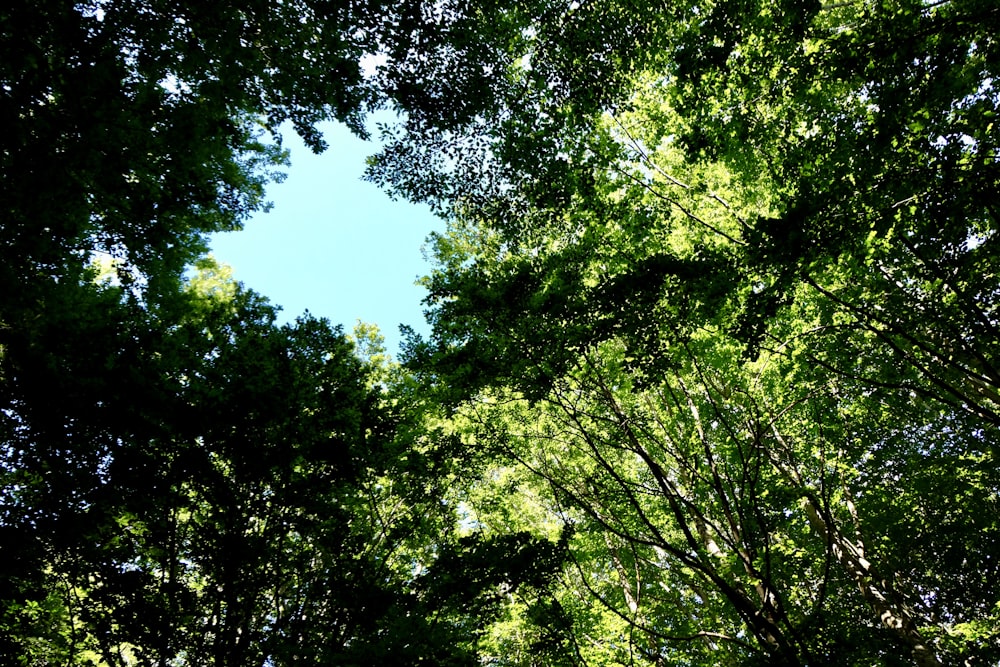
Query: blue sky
column 334, row 244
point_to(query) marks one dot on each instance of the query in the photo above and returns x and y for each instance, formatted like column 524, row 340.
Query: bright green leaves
column 719, row 291
column 736, row 323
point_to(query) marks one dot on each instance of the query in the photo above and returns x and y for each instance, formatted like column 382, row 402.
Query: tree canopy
column 183, row 480
column 711, row 378
column 729, row 307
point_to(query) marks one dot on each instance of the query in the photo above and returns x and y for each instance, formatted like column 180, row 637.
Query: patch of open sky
column 334, row 244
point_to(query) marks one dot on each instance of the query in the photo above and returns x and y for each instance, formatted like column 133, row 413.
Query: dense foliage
column 729, row 308
column 183, row 481
column 712, row 375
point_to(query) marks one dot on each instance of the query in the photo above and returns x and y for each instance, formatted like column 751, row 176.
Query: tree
column 719, row 293
column 187, row 481
column 767, row 218
column 259, row 502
